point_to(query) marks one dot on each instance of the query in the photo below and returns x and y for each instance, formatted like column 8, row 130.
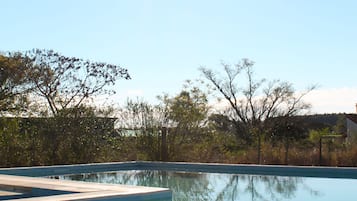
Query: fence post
column 164, row 155
column 320, row 151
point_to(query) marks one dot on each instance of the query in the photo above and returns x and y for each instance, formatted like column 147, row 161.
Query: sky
column 163, row 43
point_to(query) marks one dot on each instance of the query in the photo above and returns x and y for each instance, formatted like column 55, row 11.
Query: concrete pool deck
column 42, row 189
column 25, row 178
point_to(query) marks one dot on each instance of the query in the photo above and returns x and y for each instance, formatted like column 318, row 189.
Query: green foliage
column 183, row 127
column 8, row 139
column 187, row 113
column 315, row 135
column 162, row 131
column 188, row 109
column 14, row 74
column 72, row 132
column 79, row 136
column 142, row 121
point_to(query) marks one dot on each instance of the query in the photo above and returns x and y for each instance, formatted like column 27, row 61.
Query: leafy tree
column 315, row 135
column 72, row 132
column 252, row 103
column 162, row 130
column 14, row 90
column 188, row 109
column 14, row 74
column 187, row 114
column 67, row 82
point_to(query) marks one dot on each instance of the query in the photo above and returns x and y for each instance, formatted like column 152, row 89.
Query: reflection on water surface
column 187, row 186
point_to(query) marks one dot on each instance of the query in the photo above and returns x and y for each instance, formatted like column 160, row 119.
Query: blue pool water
column 218, row 186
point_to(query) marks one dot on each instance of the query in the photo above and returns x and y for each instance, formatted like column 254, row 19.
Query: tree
column 188, row 109
column 71, row 132
column 67, row 82
column 14, row 74
column 163, row 129
column 252, row 103
column 187, row 114
column 143, row 122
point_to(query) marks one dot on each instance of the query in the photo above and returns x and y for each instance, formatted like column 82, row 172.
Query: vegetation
column 14, row 74
column 67, row 82
column 252, row 105
column 47, row 117
column 46, row 113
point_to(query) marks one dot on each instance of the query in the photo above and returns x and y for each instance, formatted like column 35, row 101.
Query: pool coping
column 279, row 170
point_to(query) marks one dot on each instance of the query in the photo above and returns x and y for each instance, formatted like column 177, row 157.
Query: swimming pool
column 188, row 186
column 206, row 181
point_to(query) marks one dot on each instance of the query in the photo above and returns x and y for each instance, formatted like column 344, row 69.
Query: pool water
column 217, row 186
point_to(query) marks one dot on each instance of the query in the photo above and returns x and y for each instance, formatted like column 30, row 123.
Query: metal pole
column 320, row 155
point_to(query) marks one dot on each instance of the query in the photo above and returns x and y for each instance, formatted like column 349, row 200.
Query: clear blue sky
column 163, row 43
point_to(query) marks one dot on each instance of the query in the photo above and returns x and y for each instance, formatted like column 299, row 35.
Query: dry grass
column 272, row 155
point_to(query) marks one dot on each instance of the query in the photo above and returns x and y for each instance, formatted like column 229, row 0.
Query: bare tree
column 67, row 82
column 254, row 101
